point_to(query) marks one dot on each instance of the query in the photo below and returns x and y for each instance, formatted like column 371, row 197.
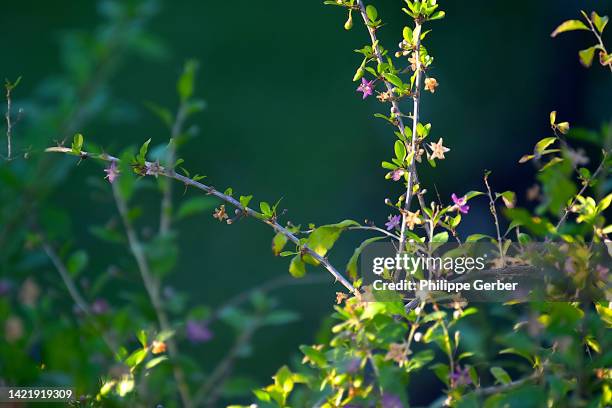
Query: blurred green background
column 283, row 120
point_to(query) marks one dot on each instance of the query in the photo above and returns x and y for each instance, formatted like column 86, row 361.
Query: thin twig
column 213, row 385
column 495, row 219
column 601, row 43
column 586, row 183
column 9, row 125
column 496, row 389
column 269, row 286
column 377, row 229
column 412, row 172
column 246, row 211
column 76, row 296
column 166, row 204
column 152, row 286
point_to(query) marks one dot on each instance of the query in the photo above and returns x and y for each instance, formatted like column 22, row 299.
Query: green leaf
column 437, row 15
column 261, row 394
column 265, row 209
column 77, row 144
column 315, row 356
column 142, row 338
column 441, row 371
column 388, row 166
column 477, row 237
column 471, row 194
column 599, row 21
column 186, row 81
column 407, row 34
column 569, row 25
column 537, row 225
column 586, row 56
column 162, row 113
column 394, row 79
column 195, row 206
column 400, row 150
column 604, row 203
column 245, row 200
column 351, row 266
column 509, row 198
column 501, row 375
column 372, row 13
column 280, row 317
column 323, row 238
column 142, row 154
column 284, row 379
column 543, row 144
column 440, row 237
column 77, row 262
column 136, row 358
column 278, row 243
column 155, row 361
column 552, row 162
column 297, row 267
column 164, row 335
column 517, row 352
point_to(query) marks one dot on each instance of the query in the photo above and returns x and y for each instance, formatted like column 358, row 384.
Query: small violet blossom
column 391, row 401
column 198, row 332
column 397, row 174
column 5, row 287
column 460, row 203
column 461, row 376
column 99, row 306
column 394, row 221
column 112, row 172
column 366, row 87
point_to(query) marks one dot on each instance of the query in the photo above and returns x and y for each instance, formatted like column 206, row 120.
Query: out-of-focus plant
column 542, row 354
column 62, row 324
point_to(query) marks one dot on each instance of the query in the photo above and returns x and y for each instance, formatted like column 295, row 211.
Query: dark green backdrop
column 283, row 120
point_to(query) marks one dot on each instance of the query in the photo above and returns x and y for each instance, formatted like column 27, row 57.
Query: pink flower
column 99, row 306
column 461, row 376
column 198, row 332
column 112, row 172
column 397, row 174
column 460, row 203
column 389, row 400
column 366, row 87
column 394, row 221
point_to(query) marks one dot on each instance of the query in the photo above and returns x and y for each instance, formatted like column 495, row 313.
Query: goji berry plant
column 376, row 353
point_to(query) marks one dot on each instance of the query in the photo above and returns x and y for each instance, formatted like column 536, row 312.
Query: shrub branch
column 246, row 211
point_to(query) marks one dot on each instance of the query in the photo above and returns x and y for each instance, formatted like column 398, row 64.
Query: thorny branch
column 495, row 219
column 9, row 124
column 245, row 211
column 412, row 171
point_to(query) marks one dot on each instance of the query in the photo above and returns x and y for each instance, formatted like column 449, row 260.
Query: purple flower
column 366, row 87
column 198, row 332
column 394, row 221
column 460, row 203
column 353, row 366
column 112, row 172
column 397, row 174
column 99, row 306
column 461, row 376
column 5, row 286
column 391, row 401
